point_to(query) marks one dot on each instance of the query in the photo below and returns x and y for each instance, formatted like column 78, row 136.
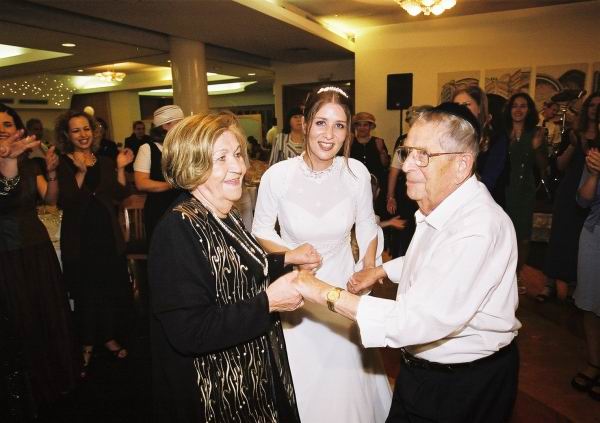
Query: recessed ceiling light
column 68, row 44
column 251, row 74
column 79, row 70
column 168, row 61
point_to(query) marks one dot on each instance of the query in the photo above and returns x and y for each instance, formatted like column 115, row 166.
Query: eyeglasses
column 421, row 156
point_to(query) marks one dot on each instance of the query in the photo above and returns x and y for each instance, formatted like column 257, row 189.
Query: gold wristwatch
column 332, row 296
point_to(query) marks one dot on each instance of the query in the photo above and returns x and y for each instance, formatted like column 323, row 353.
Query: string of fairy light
column 56, row 91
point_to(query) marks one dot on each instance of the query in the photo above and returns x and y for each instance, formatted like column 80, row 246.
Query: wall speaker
column 399, row 91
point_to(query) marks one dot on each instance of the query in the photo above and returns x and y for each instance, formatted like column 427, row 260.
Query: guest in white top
column 454, row 313
column 148, row 171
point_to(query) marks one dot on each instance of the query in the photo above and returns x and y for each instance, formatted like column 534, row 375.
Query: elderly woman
column 218, row 348
column 91, row 241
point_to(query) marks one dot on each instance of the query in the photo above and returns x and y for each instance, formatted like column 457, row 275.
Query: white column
column 188, row 66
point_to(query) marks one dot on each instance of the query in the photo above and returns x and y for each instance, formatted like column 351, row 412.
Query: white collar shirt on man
column 457, row 292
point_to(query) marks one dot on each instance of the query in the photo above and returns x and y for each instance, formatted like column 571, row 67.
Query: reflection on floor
column 550, row 343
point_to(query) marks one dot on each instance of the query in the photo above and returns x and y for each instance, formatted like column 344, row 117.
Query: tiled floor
column 550, row 343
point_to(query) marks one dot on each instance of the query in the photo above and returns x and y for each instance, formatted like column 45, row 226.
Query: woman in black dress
column 33, row 301
column 218, row 348
column 92, row 245
column 567, row 215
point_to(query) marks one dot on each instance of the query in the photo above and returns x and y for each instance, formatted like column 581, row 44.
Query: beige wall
column 289, row 74
column 124, row 110
column 533, row 37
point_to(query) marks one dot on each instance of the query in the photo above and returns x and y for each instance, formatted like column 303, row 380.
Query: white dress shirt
column 457, row 291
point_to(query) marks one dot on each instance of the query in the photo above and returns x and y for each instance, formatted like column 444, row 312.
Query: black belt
column 411, row 361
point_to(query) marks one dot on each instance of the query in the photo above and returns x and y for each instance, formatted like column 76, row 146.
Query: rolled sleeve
column 393, row 269
column 372, row 318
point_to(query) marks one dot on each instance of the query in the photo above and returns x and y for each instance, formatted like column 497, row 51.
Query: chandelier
column 111, row 76
column 437, row 7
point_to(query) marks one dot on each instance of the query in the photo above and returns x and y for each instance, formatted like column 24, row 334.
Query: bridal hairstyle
column 188, row 148
column 317, row 99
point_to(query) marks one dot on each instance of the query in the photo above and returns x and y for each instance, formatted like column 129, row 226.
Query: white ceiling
column 242, row 36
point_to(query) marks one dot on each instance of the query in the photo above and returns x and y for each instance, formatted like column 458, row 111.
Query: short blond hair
column 188, row 147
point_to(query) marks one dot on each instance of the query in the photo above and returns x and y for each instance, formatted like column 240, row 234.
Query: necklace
column 317, row 175
column 248, row 244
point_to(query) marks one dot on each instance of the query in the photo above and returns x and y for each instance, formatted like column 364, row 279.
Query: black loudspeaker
column 399, row 91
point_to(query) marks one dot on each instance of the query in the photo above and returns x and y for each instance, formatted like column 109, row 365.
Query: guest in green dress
column 526, row 152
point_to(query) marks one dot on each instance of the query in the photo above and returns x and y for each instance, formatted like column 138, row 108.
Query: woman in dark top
column 567, row 215
column 526, row 151
column 33, row 300
column 106, row 147
column 218, row 348
column 492, row 160
column 91, row 240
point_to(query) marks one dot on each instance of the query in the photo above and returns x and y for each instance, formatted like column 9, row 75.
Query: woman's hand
column 395, row 222
column 124, row 157
column 79, row 161
column 391, row 205
column 361, row 282
column 305, row 256
column 13, row 146
column 51, row 160
column 283, row 295
column 592, row 160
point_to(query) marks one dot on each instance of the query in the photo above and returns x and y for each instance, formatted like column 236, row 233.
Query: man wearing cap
column 454, row 313
column 148, row 172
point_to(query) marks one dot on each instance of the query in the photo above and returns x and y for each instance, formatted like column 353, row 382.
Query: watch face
column 333, row 295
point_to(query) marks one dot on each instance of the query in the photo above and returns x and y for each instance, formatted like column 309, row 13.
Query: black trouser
column 482, row 392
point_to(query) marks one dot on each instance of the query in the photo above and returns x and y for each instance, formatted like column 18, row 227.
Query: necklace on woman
column 246, row 242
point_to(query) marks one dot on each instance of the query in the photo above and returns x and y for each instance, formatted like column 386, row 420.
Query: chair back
column 132, row 222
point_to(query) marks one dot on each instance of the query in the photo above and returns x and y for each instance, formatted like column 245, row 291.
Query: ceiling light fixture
column 111, row 76
column 68, row 44
column 437, row 7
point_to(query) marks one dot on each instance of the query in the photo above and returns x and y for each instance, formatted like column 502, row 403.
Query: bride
column 317, row 198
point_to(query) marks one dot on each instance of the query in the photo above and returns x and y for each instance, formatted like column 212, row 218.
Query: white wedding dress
column 335, row 378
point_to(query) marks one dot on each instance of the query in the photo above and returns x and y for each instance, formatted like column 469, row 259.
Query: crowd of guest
column 219, row 277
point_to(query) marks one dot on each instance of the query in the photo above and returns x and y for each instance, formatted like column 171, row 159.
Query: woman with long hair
column 32, row 291
column 91, row 241
column 526, row 152
column 493, row 146
column 567, row 215
column 317, row 198
column 587, row 294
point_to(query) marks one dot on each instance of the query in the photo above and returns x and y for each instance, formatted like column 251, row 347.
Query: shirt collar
column 440, row 215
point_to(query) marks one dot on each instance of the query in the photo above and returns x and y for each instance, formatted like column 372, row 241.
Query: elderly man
column 454, row 314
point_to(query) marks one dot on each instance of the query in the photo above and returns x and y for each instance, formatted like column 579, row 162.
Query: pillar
column 188, row 66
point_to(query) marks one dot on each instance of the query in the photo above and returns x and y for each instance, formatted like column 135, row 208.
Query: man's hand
column 362, row 281
column 311, row 288
column 305, row 256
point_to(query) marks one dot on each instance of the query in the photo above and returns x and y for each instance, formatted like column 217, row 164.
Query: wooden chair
column 131, row 217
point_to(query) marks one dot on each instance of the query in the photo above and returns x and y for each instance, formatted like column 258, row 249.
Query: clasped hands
column 289, row 291
column 13, row 146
